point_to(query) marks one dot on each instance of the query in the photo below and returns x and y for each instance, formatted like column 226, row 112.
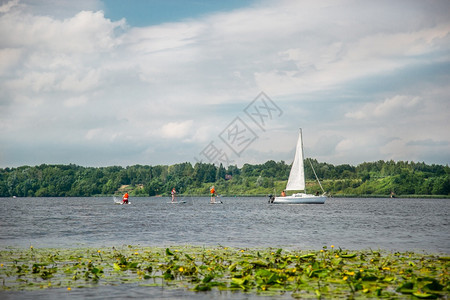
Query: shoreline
column 250, row 195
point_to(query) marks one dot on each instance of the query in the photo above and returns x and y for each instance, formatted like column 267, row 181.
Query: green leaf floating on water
column 259, row 263
column 238, row 282
column 369, row 278
column 133, row 265
column 424, row 295
column 348, row 255
column 307, row 256
column 168, row 252
column 232, row 268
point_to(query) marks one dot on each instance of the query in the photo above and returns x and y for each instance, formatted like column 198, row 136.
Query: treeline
column 373, row 178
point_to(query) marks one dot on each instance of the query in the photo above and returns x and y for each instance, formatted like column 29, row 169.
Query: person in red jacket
column 213, row 194
column 125, row 198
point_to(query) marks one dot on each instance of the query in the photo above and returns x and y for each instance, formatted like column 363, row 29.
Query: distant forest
column 379, row 178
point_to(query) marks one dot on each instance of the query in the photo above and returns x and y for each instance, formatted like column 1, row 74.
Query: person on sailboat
column 174, row 192
column 125, row 198
column 283, row 194
column 213, row 194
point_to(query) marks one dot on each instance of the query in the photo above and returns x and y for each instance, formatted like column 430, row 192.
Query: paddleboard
column 177, row 202
column 217, row 202
column 119, row 201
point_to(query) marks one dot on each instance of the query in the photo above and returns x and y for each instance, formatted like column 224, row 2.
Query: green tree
column 221, row 172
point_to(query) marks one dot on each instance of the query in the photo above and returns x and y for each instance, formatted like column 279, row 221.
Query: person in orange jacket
column 213, row 194
column 125, row 198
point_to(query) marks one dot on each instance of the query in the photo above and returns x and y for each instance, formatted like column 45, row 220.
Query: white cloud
column 76, row 101
column 396, row 150
column 94, row 133
column 176, row 129
column 394, row 107
column 346, row 145
column 86, row 32
column 8, row 5
column 81, row 82
column 8, row 58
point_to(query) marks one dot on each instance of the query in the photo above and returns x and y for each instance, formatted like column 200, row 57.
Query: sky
column 103, row 83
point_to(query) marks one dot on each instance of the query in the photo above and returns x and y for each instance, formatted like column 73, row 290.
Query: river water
column 389, row 224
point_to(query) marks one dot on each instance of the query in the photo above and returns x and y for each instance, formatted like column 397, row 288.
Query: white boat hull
column 300, row 198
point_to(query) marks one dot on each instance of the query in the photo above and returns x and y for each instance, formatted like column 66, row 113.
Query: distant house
column 228, row 177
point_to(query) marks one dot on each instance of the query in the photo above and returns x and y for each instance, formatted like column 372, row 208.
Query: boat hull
column 300, row 199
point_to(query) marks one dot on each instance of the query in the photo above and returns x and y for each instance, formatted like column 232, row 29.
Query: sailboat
column 296, row 182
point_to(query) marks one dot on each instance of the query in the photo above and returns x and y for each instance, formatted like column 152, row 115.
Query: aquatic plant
column 302, row 274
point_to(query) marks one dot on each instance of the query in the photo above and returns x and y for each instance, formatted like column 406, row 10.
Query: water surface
column 390, row 224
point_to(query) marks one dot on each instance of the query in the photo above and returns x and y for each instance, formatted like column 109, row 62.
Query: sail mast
column 303, row 158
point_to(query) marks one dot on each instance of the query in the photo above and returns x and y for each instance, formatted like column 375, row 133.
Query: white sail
column 296, row 181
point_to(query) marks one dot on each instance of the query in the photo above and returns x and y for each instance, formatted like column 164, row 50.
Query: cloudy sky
column 102, row 83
